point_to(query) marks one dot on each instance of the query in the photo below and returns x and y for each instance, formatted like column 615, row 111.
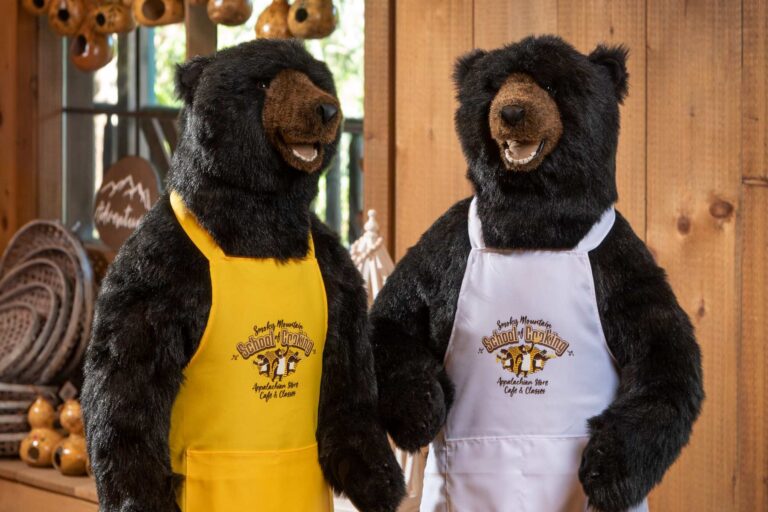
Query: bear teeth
column 509, row 155
column 304, row 152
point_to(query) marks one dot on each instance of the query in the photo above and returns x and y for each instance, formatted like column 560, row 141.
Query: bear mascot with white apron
column 529, row 335
column 229, row 367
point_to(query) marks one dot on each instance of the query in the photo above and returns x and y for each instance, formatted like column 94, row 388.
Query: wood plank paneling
column 49, row 78
column 499, row 23
column 585, row 23
column 752, row 483
column 431, row 171
column 694, row 119
column 754, row 72
column 379, row 125
column 18, row 171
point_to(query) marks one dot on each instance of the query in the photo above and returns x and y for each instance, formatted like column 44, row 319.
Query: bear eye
column 550, row 89
column 262, row 84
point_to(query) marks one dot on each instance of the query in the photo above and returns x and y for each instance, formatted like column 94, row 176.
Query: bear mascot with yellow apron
column 529, row 335
column 229, row 368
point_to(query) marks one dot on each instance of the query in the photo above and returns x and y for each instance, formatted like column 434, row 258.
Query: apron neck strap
column 591, row 240
column 199, row 236
column 475, row 226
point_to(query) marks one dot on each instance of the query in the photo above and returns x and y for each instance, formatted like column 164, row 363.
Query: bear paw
column 413, row 410
column 606, row 476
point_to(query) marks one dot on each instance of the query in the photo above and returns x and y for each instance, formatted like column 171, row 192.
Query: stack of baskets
column 47, row 293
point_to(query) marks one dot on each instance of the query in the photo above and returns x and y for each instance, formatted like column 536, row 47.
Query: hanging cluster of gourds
column 91, row 23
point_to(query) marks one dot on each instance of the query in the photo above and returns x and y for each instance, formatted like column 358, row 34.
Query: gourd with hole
column 154, row 13
column 312, row 19
column 38, row 447
column 273, row 21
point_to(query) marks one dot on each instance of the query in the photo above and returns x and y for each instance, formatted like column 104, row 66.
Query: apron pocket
column 271, row 480
column 523, row 473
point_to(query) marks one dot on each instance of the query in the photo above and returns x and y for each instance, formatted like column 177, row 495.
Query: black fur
column 154, row 302
column 639, row 436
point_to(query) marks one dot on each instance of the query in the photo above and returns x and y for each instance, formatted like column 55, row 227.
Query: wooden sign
column 129, row 189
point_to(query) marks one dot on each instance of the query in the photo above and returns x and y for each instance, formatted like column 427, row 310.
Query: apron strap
column 598, row 231
column 591, row 240
column 475, row 226
column 199, row 236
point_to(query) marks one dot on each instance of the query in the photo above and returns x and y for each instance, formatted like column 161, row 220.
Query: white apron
column 530, row 364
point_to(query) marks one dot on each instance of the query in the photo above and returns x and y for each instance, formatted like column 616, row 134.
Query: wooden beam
column 18, row 111
column 379, row 125
column 694, row 84
column 499, row 23
column 201, row 31
column 754, row 102
column 752, row 479
column 49, row 103
column 431, row 170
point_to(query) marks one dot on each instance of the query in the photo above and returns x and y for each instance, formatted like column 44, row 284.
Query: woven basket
column 51, row 241
column 19, row 325
column 78, row 329
column 9, row 444
column 14, row 406
column 45, row 302
column 26, row 392
column 11, row 423
column 60, row 342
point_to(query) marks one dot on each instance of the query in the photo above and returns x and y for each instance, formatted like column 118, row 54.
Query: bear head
column 538, row 123
column 261, row 116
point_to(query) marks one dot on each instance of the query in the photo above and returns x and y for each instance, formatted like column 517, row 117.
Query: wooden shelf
column 43, row 489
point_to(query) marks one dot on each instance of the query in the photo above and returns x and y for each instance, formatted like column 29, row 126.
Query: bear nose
column 512, row 114
column 327, row 111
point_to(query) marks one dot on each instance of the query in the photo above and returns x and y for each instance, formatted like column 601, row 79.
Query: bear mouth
column 303, row 155
column 518, row 153
column 306, row 152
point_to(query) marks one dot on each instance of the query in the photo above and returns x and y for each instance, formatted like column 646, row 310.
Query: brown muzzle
column 299, row 119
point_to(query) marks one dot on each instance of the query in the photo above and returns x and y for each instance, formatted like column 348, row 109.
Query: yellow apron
column 243, row 424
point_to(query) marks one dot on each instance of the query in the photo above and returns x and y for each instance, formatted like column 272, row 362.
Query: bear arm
column 660, row 390
column 353, row 448
column 150, row 315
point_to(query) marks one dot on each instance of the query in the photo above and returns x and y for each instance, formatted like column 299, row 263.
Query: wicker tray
column 45, row 301
column 11, row 423
column 9, row 444
column 80, row 278
column 44, row 271
column 19, row 325
column 27, row 392
column 14, row 406
column 52, row 241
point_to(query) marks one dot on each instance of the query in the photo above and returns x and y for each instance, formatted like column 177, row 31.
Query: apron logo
column 277, row 349
column 523, row 345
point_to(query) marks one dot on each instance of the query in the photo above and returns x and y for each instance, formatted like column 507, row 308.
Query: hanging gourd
column 229, row 12
column 153, row 13
column 113, row 17
column 312, row 19
column 273, row 21
column 90, row 50
column 66, row 16
column 36, row 7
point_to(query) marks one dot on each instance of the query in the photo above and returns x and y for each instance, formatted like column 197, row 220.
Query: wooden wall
column 692, row 172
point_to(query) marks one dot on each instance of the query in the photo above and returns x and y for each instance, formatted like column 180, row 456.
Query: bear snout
column 299, row 119
column 525, row 123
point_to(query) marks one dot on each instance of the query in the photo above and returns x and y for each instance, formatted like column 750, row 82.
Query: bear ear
column 188, row 75
column 464, row 65
column 614, row 59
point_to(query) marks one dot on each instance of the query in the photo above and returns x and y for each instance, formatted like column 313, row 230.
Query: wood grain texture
column 200, row 30
column 379, row 126
column 16, row 497
column 499, row 23
column 693, row 192
column 49, row 155
column 431, row 171
column 585, row 23
column 18, row 171
column 752, row 482
column 754, row 73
